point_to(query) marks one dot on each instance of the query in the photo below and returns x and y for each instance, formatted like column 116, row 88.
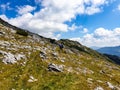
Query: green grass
column 16, row 76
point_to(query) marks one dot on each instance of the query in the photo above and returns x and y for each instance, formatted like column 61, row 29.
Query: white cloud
column 5, row 7
column 76, row 39
column 92, row 10
column 99, row 2
column 85, row 30
column 118, row 7
column 50, row 34
column 4, row 17
column 74, row 27
column 47, row 26
column 25, row 9
column 94, row 6
column 52, row 17
column 101, row 37
column 21, row 21
column 38, row 1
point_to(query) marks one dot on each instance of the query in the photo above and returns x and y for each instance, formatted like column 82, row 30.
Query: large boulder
column 54, row 67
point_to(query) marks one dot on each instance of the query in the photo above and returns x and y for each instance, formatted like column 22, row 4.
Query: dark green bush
column 52, row 40
column 22, row 32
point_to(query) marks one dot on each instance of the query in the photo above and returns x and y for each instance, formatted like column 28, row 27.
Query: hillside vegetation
column 31, row 62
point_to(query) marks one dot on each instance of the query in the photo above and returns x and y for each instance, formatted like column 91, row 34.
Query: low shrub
column 22, row 32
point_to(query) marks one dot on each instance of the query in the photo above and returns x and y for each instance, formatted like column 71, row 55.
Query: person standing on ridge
column 61, row 46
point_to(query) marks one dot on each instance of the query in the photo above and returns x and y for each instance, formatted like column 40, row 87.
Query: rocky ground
column 32, row 62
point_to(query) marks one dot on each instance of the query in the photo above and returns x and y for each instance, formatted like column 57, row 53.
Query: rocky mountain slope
column 31, row 62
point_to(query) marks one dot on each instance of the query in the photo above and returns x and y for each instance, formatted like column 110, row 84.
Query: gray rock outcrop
column 54, row 67
column 11, row 58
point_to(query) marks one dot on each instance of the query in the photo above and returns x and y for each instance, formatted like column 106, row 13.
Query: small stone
column 99, row 88
column 99, row 81
column 1, row 33
column 89, row 80
column 55, row 54
column 110, row 85
column 102, row 71
column 62, row 60
column 70, row 69
column 32, row 79
column 43, row 55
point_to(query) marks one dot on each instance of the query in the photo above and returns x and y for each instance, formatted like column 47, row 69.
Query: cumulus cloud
column 53, row 15
column 92, row 10
column 94, row 6
column 5, row 7
column 38, row 1
column 85, row 30
column 118, row 7
column 76, row 39
column 99, row 2
column 101, row 37
column 4, row 17
column 25, row 9
column 74, row 27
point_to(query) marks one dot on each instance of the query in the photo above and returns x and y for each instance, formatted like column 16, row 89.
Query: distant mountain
column 110, row 50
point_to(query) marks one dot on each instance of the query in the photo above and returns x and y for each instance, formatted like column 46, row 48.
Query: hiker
column 61, row 46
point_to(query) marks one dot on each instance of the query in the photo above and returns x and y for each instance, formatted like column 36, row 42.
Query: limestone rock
column 110, row 85
column 11, row 58
column 43, row 55
column 87, row 71
column 90, row 80
column 99, row 81
column 1, row 33
column 32, row 79
column 102, row 72
column 55, row 54
column 54, row 67
column 99, row 88
column 19, row 56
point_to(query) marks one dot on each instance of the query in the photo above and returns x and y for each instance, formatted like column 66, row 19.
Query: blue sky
column 91, row 22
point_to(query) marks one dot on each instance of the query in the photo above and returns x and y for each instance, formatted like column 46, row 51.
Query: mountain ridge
column 110, row 50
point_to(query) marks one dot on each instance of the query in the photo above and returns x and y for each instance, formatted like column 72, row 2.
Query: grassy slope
column 78, row 66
